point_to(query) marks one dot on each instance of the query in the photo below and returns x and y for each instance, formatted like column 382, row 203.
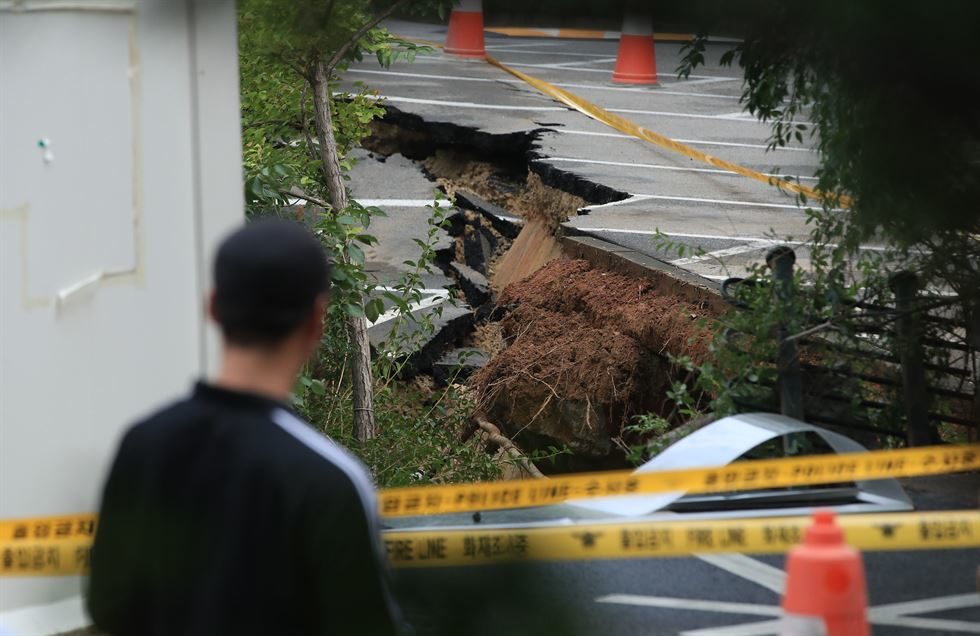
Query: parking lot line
column 720, row 117
column 504, row 47
column 403, row 203
column 594, row 56
column 693, row 142
column 598, row 87
column 708, row 79
column 730, row 251
column 928, row 605
column 750, row 204
column 443, row 102
column 762, row 628
column 769, row 577
column 653, row 166
column 602, row 60
column 752, row 609
column 932, row 625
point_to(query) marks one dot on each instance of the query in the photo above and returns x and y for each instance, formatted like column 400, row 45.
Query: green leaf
column 354, row 311
column 373, row 309
column 356, row 254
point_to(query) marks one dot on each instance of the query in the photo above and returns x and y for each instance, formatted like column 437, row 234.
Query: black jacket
column 226, row 514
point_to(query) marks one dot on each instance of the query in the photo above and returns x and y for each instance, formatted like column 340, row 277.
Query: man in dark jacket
column 225, row 513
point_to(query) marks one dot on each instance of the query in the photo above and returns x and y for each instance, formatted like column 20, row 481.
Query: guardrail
column 904, row 341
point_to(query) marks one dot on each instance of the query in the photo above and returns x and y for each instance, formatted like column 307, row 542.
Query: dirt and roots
column 587, row 350
column 580, row 351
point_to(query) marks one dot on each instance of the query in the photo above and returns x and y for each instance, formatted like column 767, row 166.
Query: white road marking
column 652, row 166
column 442, row 102
column 717, row 254
column 928, row 605
column 612, row 204
column 421, row 291
column 740, row 113
column 455, row 104
column 762, row 628
column 402, row 203
column 650, row 92
column 602, row 60
column 894, row 614
column 693, row 142
column 691, row 604
column 671, row 80
column 712, row 237
column 519, row 82
column 504, row 47
column 559, row 53
column 932, row 625
column 721, row 117
column 454, row 78
column 707, row 80
column 661, row 197
column 431, row 301
column 769, row 577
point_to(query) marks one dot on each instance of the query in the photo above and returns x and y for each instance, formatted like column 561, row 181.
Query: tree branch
column 495, row 436
column 310, row 148
column 306, row 197
column 338, row 57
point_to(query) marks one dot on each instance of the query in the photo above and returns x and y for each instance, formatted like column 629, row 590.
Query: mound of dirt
column 525, row 195
column 535, row 246
column 587, row 351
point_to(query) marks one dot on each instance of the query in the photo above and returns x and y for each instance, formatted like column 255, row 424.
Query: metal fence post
column 909, row 333
column 973, row 339
column 780, row 260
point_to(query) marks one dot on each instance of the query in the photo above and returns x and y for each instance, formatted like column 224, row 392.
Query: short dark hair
column 267, row 277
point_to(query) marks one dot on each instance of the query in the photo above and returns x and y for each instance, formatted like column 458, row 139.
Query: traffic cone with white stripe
column 636, row 62
column 825, row 590
column 465, row 37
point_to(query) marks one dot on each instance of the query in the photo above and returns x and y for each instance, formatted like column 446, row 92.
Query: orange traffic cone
column 465, row 37
column 825, row 589
column 636, row 62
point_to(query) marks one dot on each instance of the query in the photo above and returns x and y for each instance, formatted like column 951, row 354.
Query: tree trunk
column 360, row 360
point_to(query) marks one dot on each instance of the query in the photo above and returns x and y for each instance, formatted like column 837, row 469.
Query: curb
column 666, row 278
column 595, row 34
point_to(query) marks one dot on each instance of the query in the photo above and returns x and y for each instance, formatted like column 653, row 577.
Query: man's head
column 271, row 282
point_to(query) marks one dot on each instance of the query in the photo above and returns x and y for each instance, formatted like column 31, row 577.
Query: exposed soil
column 587, row 351
column 523, row 195
column 580, row 350
column 535, row 246
column 615, row 302
column 487, row 338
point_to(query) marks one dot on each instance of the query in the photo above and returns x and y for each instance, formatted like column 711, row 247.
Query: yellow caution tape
column 633, row 129
column 46, row 546
column 743, row 475
column 630, row 128
column 61, row 528
column 642, row 540
column 71, row 555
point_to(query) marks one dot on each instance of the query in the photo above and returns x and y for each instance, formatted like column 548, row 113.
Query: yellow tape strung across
column 641, row 540
column 628, row 127
column 30, row 554
column 743, row 475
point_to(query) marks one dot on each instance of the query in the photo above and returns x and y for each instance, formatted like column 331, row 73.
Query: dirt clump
column 522, row 194
column 587, row 350
column 487, row 337
column 535, row 246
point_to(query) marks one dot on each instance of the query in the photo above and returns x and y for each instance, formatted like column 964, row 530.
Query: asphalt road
column 911, row 593
column 728, row 216
column 734, row 220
